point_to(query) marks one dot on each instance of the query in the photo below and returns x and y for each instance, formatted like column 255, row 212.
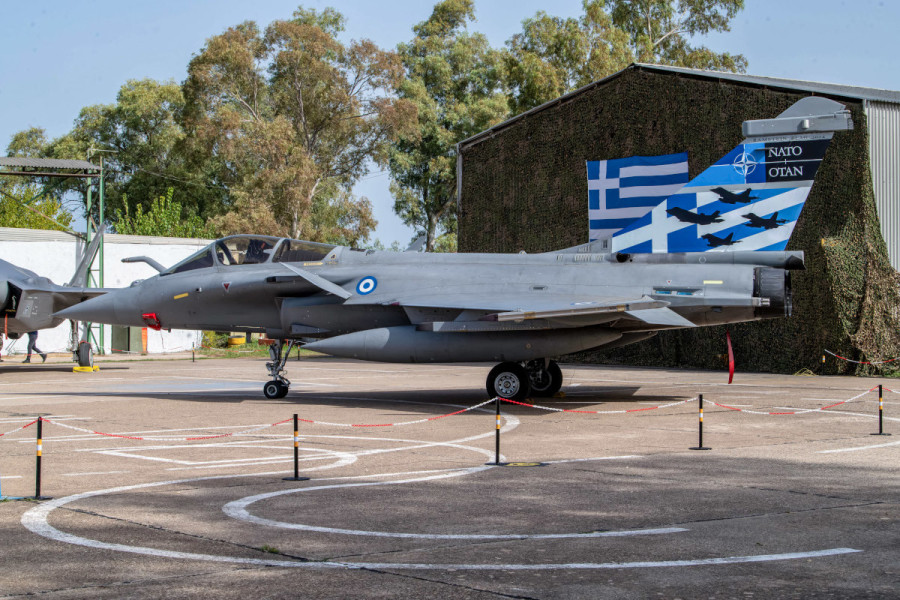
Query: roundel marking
column 366, row 285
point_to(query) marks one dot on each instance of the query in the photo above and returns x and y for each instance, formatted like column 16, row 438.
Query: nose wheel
column 279, row 385
column 275, row 389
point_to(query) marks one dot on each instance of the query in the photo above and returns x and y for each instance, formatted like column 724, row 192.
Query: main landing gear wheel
column 275, row 389
column 545, row 381
column 508, row 380
column 85, row 355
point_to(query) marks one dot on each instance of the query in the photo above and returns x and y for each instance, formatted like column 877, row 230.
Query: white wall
column 54, row 255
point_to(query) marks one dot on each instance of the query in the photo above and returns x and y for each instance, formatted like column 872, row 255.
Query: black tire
column 272, row 390
column 284, row 389
column 85, row 355
column 510, row 381
column 546, row 382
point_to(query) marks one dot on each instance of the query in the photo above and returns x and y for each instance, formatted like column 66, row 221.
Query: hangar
column 522, row 186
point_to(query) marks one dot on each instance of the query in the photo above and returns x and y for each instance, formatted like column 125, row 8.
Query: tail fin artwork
column 768, row 175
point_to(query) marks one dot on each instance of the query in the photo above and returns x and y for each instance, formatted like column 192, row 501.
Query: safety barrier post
column 880, row 412
column 37, row 470
column 497, row 445
column 497, row 462
column 296, row 476
column 700, row 445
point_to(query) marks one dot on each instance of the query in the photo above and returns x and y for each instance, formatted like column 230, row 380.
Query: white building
column 55, row 254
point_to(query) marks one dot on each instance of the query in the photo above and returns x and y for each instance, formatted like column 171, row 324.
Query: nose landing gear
column 279, row 386
column 517, row 381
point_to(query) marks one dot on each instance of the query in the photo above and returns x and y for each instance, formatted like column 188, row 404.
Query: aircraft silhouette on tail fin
column 687, row 216
column 764, row 223
column 715, row 242
column 734, row 198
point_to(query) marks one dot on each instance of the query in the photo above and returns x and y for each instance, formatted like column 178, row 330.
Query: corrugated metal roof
column 831, row 89
column 46, row 163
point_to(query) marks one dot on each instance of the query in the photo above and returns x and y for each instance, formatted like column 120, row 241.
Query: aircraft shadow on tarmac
column 588, row 397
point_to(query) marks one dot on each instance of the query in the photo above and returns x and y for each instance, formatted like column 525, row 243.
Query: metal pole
column 880, row 411
column 296, row 448
column 700, row 446
column 497, row 448
column 37, row 471
column 296, row 476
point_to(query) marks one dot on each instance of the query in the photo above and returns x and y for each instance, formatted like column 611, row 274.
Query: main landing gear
column 517, row 381
column 279, row 386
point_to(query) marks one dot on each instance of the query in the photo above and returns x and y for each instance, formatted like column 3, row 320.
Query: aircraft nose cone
column 101, row 309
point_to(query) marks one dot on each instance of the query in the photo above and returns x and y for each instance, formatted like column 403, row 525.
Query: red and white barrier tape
column 20, row 428
column 795, row 412
column 598, row 412
column 862, row 362
column 458, row 412
column 169, row 438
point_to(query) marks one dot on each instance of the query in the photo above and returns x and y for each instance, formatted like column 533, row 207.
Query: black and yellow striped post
column 880, row 412
column 700, row 445
column 296, row 476
column 37, row 469
column 497, row 462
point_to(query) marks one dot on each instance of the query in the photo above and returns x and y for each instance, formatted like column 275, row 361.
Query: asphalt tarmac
column 188, row 497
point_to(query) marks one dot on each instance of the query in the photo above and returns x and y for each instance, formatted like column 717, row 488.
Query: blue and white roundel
column 366, row 285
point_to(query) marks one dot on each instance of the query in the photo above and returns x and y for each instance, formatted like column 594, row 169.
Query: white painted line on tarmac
column 10, row 477
column 873, row 446
column 95, row 473
column 729, row 560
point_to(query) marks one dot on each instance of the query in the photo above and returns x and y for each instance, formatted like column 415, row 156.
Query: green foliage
column 289, row 110
column 142, row 145
column 455, row 81
column 31, row 203
column 553, row 56
column 165, row 217
column 525, row 188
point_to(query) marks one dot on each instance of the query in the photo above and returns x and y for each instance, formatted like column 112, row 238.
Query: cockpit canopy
column 252, row 250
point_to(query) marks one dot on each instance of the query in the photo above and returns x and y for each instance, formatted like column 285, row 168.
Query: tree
column 166, row 217
column 554, row 56
column 142, row 145
column 454, row 79
column 30, row 202
column 291, row 115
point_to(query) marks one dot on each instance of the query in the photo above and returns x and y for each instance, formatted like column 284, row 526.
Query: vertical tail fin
column 79, row 279
column 771, row 171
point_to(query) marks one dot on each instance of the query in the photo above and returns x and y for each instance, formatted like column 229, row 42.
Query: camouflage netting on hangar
column 525, row 188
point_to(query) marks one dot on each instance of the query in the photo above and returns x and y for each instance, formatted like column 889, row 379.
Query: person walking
column 33, row 349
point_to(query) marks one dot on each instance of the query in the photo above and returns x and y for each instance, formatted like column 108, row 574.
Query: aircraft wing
column 510, row 312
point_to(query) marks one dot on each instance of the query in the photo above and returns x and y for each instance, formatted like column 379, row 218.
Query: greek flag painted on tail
column 622, row 190
column 749, row 200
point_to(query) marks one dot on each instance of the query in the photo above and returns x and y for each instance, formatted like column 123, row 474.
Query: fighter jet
column 28, row 302
column 687, row 216
column 518, row 310
column 764, row 223
column 734, row 198
column 715, row 242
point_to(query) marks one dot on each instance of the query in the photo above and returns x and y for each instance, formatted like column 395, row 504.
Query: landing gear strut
column 517, row 381
column 279, row 386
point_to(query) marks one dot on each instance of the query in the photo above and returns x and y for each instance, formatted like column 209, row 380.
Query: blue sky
column 59, row 56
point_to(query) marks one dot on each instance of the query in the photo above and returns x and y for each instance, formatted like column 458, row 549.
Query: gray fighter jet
column 28, row 302
column 518, row 310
